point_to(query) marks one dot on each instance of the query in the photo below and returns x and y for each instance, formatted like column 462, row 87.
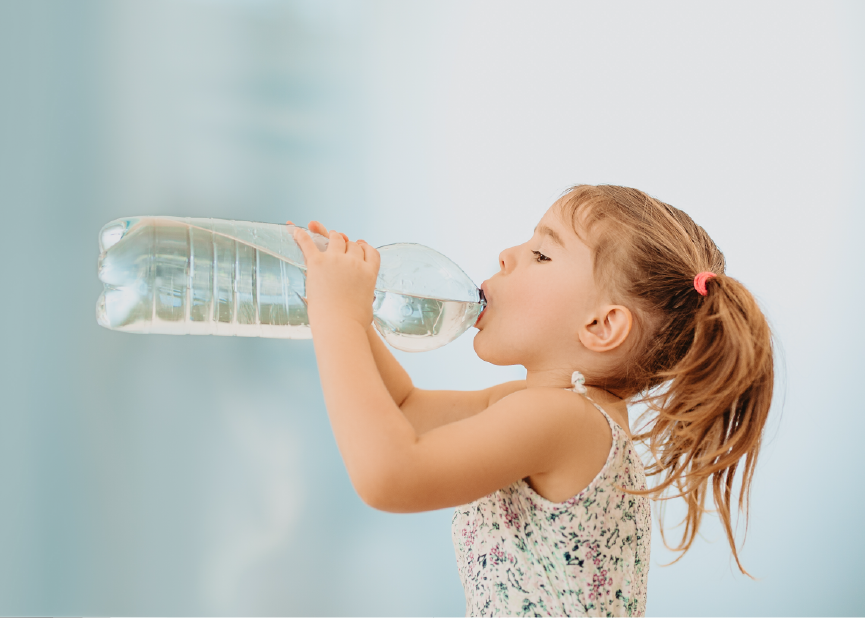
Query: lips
column 486, row 298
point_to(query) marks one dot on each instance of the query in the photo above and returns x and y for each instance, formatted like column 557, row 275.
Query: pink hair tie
column 700, row 282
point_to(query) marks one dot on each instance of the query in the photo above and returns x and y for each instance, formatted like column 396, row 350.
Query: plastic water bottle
column 185, row 276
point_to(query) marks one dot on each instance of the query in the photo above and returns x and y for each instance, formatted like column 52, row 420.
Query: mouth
column 486, row 297
column 480, row 316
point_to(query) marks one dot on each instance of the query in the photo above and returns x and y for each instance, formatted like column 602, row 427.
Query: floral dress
column 519, row 554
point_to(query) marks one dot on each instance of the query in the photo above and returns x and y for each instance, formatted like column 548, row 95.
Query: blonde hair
column 704, row 364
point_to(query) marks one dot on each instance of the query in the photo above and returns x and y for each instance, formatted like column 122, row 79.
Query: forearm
column 395, row 378
column 370, row 430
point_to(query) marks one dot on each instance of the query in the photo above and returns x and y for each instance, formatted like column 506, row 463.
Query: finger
column 303, row 241
column 289, row 223
column 318, row 228
column 337, row 242
column 370, row 253
column 356, row 250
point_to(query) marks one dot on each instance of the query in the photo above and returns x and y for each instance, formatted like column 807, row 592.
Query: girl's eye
column 540, row 255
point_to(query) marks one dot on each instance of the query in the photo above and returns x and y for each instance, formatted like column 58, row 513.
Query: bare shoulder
column 567, row 411
column 586, row 440
column 567, row 403
column 500, row 391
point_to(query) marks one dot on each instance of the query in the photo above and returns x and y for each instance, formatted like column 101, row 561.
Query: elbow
column 385, row 482
column 385, row 492
column 374, row 502
column 378, row 494
column 367, row 490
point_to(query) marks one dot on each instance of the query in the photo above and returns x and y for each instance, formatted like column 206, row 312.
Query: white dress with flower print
column 519, row 554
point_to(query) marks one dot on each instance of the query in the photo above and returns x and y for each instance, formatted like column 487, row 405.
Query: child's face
column 536, row 308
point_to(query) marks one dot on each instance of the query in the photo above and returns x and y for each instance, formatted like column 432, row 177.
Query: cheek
column 549, row 307
column 548, row 314
column 536, row 304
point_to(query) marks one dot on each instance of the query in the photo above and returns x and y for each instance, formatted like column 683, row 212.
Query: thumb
column 303, row 241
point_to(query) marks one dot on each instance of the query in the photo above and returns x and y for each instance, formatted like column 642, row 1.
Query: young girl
column 617, row 298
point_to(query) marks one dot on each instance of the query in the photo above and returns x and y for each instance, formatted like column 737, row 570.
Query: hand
column 340, row 282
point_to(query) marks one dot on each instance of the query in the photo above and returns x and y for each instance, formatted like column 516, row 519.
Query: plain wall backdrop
column 164, row 475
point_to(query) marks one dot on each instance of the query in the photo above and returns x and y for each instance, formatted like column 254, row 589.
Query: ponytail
column 701, row 354
column 712, row 411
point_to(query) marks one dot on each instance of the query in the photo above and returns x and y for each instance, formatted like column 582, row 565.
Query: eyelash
column 546, row 259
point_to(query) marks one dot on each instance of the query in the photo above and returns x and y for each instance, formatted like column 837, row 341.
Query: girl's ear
column 608, row 330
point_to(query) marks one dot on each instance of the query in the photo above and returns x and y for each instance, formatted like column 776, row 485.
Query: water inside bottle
column 408, row 322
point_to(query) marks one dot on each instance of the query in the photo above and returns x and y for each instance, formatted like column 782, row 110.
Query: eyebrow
column 551, row 233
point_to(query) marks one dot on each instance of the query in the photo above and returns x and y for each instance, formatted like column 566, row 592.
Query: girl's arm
column 390, row 466
column 529, row 432
column 428, row 409
column 394, row 469
column 396, row 379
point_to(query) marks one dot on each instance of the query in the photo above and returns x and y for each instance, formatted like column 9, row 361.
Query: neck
column 600, row 388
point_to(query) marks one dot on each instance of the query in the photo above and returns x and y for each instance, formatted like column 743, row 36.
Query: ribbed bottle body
column 202, row 277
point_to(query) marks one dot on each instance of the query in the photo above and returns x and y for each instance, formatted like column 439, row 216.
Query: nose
column 503, row 265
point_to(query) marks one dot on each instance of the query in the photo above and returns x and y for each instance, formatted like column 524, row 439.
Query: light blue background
column 166, row 475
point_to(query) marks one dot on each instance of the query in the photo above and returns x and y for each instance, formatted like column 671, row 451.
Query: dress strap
column 579, row 386
column 579, row 382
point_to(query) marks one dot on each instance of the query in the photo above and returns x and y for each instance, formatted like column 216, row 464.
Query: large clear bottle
column 187, row 276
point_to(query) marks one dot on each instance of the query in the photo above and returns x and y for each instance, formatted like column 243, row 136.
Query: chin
column 480, row 348
column 492, row 351
column 476, row 346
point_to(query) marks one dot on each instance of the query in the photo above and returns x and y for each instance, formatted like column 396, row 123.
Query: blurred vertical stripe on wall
column 171, row 475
